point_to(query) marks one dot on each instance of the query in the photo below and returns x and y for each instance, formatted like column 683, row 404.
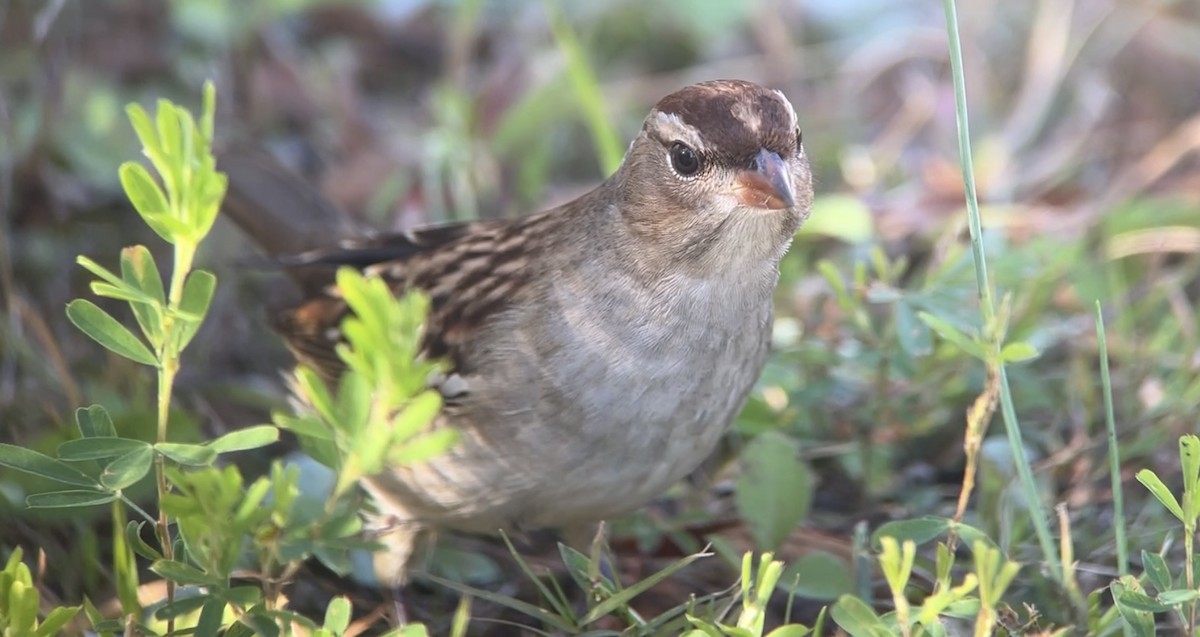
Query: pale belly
column 588, row 430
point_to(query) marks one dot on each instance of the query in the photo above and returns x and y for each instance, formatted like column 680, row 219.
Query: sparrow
column 598, row 350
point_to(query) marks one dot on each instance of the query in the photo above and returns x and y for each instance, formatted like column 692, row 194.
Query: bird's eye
column 685, row 160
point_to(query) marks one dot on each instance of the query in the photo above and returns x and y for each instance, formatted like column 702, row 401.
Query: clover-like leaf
column 189, row 455
column 197, row 296
column 98, row 448
column 93, row 422
column 243, row 439
column 856, row 618
column 139, row 270
column 775, row 489
column 127, row 469
column 38, row 464
column 147, row 198
column 1151, row 481
column 1018, row 351
column 69, row 499
column 951, row 333
column 107, row 331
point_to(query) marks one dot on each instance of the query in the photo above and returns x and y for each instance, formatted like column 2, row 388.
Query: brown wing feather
column 470, row 272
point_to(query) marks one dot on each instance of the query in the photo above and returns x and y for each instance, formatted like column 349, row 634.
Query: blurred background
column 1085, row 119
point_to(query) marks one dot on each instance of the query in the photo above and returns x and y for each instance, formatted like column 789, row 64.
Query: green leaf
column 353, row 408
column 177, row 229
column 125, row 572
column 94, row 422
column 843, row 217
column 424, row 447
column 189, row 455
column 410, row 630
column 144, row 128
column 250, row 511
column 857, row 619
column 817, row 575
column 896, row 561
column 197, row 296
column 1151, row 481
column 914, row 337
column 184, row 574
column 834, row 278
column 1018, row 351
column 167, row 120
column 919, row 530
column 316, row 392
column 1189, row 459
column 774, row 490
column 1141, row 602
column 243, row 439
column 121, row 293
column 1178, row 596
column 790, row 630
column 147, row 198
column 316, row 437
column 32, row 462
column 337, row 615
column 68, row 499
column 1141, row 622
column 133, row 537
column 212, row 617
column 22, row 607
column 260, row 623
column 100, row 271
column 246, row 596
column 307, row 426
column 104, row 329
column 56, row 620
column 139, row 271
column 127, row 469
column 98, row 448
column 953, row 335
column 970, row 535
column 181, row 606
column 417, row 414
column 211, row 191
column 1156, row 571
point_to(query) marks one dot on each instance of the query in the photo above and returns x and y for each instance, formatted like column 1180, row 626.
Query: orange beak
column 768, row 185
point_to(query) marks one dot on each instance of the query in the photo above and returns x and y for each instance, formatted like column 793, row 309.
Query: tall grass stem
column 1037, row 510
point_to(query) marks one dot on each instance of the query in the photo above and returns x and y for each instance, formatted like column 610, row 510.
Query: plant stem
column 166, row 378
column 987, row 304
column 1189, row 532
column 137, row 509
column 1114, row 452
column 168, row 367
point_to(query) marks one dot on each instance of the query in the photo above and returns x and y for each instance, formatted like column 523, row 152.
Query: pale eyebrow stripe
column 790, row 109
column 675, row 128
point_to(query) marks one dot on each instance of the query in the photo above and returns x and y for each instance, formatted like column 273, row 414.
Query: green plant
column 1178, row 593
column 210, row 522
column 757, row 586
column 20, row 604
column 989, row 580
column 382, row 396
column 100, row 465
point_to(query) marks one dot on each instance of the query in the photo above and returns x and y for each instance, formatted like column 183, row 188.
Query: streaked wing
column 470, row 272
